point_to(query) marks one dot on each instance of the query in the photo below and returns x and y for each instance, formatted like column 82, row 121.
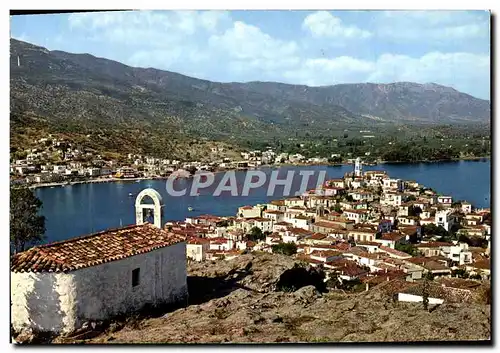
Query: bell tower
column 358, row 167
column 156, row 207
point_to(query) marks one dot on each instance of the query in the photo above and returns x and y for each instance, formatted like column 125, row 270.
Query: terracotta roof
column 93, row 249
column 392, row 236
column 394, row 251
column 197, row 241
column 326, row 224
column 218, row 240
column 282, row 223
column 274, row 212
column 428, row 264
column 325, row 254
column 482, row 264
column 317, row 236
column 278, row 202
column 367, row 243
column 342, row 246
column 207, row 216
column 295, row 230
column 322, row 246
column 434, row 244
column 458, row 283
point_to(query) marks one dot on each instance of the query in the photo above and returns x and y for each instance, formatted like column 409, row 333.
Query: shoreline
column 467, row 159
column 274, row 166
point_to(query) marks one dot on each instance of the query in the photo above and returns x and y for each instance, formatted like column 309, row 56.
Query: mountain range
column 83, row 91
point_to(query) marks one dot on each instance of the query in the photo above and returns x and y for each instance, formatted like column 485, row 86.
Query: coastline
column 436, row 160
column 274, row 166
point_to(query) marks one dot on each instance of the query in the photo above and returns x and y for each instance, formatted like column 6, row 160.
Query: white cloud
column 432, row 25
column 147, row 27
column 248, row 47
column 324, row 24
column 459, row 70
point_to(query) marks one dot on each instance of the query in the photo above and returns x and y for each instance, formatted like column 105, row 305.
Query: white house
column 301, row 221
column 392, row 199
column 196, row 249
column 249, row 211
column 444, row 219
column 221, row 244
column 275, row 215
column 358, row 216
column 466, row 207
column 445, row 200
column 392, row 184
column 59, row 169
column 58, row 287
column 458, row 253
column 361, row 196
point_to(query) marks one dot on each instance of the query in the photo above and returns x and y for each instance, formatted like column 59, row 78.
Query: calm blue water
column 82, row 209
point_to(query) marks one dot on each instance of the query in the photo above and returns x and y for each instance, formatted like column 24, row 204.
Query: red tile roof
column 317, row 236
column 93, row 249
column 274, row 212
column 434, row 244
column 325, row 254
column 282, row 223
column 326, row 224
column 392, row 236
column 482, row 264
column 197, row 241
column 394, row 251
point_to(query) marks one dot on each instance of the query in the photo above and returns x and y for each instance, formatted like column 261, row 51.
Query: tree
column 255, row 234
column 425, row 293
column 26, row 225
column 285, row 248
column 461, row 273
column 337, row 208
column 407, row 248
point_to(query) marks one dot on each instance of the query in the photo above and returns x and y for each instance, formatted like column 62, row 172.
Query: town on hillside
column 363, row 228
column 56, row 161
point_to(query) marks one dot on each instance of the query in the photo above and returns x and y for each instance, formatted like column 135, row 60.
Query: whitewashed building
column 58, row 287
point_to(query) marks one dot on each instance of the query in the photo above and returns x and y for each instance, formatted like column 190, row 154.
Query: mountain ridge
column 82, row 87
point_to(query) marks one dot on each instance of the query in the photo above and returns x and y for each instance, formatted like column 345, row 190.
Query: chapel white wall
column 60, row 302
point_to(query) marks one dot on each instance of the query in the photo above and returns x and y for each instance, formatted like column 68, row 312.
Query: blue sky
column 451, row 48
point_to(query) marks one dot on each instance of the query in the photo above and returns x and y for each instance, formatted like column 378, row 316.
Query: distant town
column 58, row 162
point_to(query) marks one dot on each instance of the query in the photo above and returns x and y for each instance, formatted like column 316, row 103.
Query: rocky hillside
column 253, row 299
column 64, row 87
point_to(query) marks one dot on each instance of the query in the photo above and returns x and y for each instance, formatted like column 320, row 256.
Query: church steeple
column 358, row 167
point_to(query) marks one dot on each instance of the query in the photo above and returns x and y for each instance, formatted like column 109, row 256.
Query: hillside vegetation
column 161, row 112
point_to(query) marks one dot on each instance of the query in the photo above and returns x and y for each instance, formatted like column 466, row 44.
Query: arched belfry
column 156, row 207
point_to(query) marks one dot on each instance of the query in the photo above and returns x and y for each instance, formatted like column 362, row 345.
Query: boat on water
column 137, row 181
column 130, row 194
column 190, row 209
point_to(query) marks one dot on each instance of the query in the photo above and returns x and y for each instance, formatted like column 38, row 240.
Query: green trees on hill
column 285, row 248
column 27, row 227
column 255, row 234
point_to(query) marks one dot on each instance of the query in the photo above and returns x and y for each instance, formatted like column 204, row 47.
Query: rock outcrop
column 241, row 301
